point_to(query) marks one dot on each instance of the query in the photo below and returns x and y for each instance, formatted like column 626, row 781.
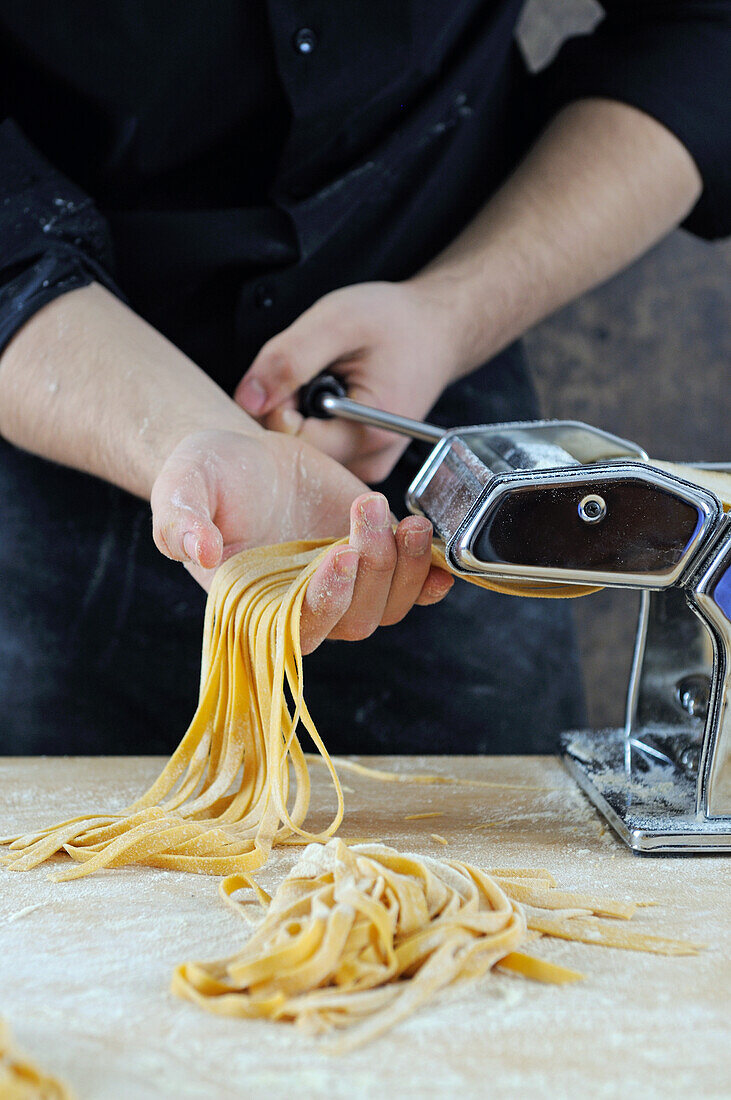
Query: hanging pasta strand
column 238, row 782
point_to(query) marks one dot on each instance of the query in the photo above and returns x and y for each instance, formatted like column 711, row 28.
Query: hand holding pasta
column 222, row 492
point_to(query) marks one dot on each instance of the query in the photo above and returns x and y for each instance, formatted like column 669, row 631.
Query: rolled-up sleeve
column 671, row 59
column 52, row 237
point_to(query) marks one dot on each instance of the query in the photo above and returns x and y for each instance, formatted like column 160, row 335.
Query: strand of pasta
column 20, row 1079
column 384, row 775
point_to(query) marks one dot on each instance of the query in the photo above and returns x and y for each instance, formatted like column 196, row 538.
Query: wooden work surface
column 85, row 966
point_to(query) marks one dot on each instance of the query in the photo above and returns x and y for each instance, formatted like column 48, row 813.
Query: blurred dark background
column 646, row 356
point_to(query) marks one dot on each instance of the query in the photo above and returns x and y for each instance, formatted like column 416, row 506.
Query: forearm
column 603, row 184
column 87, row 383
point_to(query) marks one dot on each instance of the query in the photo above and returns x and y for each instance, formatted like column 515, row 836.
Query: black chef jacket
column 221, row 167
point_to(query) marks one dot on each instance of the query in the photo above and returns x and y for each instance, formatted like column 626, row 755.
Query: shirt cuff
column 52, row 237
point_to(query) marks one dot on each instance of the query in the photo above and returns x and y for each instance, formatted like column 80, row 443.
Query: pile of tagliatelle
column 353, row 936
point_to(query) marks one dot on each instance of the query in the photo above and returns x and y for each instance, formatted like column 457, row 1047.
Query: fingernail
column 291, row 421
column 252, row 395
column 346, row 563
column 416, row 541
column 374, row 511
column 190, row 545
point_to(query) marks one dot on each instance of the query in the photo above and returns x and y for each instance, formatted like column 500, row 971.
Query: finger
column 203, row 576
column 285, row 418
column 348, row 443
column 413, row 546
column 372, row 536
column 436, row 586
column 181, row 517
column 374, row 468
column 328, row 596
column 293, row 357
column 345, row 442
column 370, row 453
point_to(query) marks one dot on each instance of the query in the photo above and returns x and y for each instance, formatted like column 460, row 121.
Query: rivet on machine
column 560, row 502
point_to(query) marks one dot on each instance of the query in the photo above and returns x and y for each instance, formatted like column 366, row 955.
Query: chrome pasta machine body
column 559, row 503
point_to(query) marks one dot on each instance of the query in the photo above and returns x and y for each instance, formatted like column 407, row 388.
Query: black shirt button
column 264, row 296
column 305, row 40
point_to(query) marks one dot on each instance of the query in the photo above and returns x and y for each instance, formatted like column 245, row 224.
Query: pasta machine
column 562, row 503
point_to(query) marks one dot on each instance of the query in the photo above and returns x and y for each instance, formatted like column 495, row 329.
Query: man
column 234, row 170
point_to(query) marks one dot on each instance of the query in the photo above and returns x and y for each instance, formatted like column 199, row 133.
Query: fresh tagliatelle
column 238, row 782
column 227, row 794
column 360, row 937
column 20, row 1079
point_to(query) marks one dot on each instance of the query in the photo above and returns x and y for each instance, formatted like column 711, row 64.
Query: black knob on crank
column 311, row 395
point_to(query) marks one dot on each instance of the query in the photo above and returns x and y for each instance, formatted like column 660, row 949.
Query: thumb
column 293, row 357
column 182, row 526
